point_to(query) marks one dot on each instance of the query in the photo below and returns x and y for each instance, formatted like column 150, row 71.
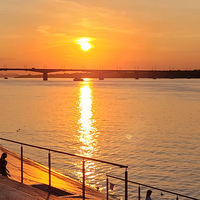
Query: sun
column 84, row 43
column 85, row 46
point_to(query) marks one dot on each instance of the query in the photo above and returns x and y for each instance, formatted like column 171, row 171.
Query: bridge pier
column 171, row 75
column 101, row 76
column 136, row 75
column 189, row 76
column 45, row 77
column 154, row 75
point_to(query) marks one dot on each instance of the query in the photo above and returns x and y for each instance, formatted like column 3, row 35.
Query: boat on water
column 78, row 79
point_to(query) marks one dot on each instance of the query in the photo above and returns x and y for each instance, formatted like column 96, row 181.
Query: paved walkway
column 35, row 173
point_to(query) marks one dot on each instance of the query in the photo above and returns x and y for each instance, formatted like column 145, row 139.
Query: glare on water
column 87, row 134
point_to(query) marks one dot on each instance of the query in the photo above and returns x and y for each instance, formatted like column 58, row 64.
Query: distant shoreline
column 151, row 74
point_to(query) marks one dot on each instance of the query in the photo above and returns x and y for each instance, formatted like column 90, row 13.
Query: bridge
column 129, row 73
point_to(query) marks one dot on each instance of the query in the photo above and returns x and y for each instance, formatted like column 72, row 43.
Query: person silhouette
column 148, row 195
column 3, row 162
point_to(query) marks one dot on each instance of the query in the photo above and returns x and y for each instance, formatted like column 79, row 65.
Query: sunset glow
column 127, row 34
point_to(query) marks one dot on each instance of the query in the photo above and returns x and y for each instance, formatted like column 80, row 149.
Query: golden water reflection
column 87, row 134
column 87, row 130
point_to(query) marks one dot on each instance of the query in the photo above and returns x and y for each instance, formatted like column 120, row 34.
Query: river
column 150, row 125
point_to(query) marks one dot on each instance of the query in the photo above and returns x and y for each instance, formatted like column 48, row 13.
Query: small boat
column 78, row 79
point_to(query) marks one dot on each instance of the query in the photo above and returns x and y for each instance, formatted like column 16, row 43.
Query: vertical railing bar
column 83, row 179
column 107, row 187
column 1, row 144
column 49, row 163
column 22, row 164
column 126, row 184
column 139, row 192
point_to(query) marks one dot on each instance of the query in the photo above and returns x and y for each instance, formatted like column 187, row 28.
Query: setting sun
column 85, row 46
column 84, row 43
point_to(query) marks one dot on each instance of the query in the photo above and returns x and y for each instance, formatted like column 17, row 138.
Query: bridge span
column 131, row 73
column 46, row 71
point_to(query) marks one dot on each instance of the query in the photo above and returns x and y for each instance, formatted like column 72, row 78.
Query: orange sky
column 128, row 34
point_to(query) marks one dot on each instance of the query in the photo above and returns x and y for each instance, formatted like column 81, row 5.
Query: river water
column 150, row 125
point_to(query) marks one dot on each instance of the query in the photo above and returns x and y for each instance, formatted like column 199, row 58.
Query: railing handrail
column 141, row 184
column 62, row 152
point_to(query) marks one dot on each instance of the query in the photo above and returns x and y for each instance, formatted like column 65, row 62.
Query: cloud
column 10, row 36
column 6, row 59
column 44, row 29
column 81, row 14
column 190, row 36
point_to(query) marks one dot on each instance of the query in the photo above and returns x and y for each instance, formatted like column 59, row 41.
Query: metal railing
column 69, row 154
column 148, row 186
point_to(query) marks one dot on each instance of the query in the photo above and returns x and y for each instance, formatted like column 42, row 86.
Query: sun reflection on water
column 87, row 133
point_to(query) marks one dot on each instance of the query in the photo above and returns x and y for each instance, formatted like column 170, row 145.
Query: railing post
column 83, row 179
column 107, row 187
column 22, row 164
column 139, row 192
column 126, row 184
column 49, row 162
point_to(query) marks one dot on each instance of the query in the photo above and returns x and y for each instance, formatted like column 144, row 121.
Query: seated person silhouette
column 3, row 162
column 148, row 195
